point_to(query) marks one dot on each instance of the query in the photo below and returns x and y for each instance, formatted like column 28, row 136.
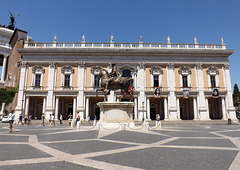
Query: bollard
column 229, row 121
column 78, row 125
column 72, row 124
column 147, row 125
column 94, row 122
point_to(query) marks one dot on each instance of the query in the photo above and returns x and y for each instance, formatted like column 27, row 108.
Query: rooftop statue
column 12, row 21
column 112, row 81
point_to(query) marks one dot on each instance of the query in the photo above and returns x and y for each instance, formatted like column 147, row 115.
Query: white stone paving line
column 81, row 158
column 236, row 162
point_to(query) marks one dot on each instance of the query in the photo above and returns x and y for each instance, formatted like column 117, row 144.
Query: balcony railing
column 36, row 88
column 122, row 45
column 65, row 88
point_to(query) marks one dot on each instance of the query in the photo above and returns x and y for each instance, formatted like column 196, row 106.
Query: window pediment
column 67, row 69
column 212, row 70
column 156, row 70
column 184, row 71
column 96, row 69
column 38, row 69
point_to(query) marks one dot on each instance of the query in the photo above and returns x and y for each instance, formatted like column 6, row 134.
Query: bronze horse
column 114, row 83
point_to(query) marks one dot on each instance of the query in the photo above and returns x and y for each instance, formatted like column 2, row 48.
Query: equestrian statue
column 112, row 81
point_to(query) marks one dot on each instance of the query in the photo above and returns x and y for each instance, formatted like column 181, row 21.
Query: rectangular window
column 213, row 81
column 185, row 81
column 156, row 81
column 96, row 81
column 67, row 81
column 37, row 80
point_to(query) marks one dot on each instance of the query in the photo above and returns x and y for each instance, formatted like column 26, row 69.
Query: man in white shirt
column 11, row 118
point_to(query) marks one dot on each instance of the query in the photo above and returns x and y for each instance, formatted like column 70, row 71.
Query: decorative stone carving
column 82, row 64
column 168, row 40
column 96, row 69
column 199, row 66
column 170, row 66
column 111, row 38
column 195, row 40
column 67, row 68
column 141, row 66
column 83, row 38
column 52, row 65
column 156, row 70
column 24, row 64
column 226, row 66
column 212, row 70
column 38, row 68
column 185, row 70
column 140, row 39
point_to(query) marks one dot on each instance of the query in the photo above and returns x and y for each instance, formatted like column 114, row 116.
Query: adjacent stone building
column 62, row 78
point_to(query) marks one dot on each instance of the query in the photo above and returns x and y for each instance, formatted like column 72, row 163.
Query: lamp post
column 22, row 107
column 143, row 119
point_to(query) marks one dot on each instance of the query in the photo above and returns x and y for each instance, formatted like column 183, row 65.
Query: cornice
column 123, row 52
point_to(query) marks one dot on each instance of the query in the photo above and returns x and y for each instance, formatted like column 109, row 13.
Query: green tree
column 236, row 95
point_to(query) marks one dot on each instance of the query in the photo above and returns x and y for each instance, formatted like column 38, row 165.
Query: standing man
column 11, row 118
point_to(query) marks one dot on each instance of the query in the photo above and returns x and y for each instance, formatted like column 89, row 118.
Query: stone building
column 62, row 78
column 5, row 51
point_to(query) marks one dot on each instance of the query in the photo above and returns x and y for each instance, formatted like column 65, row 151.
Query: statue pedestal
column 115, row 114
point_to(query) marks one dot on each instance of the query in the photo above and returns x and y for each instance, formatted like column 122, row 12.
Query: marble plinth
column 113, row 114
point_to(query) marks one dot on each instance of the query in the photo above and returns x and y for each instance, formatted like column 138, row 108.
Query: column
column 4, row 67
column 141, row 82
column 195, row 108
column 135, row 109
column 81, row 84
column 165, row 109
column 51, row 83
column 27, row 106
column 172, row 97
column 87, row 107
column 148, row 109
column 202, row 107
column 74, row 107
column 224, row 109
column 44, row 105
column 229, row 100
column 207, row 115
column 57, row 108
column 20, row 99
column 178, row 109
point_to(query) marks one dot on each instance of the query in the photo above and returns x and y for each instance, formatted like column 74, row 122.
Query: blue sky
column 155, row 20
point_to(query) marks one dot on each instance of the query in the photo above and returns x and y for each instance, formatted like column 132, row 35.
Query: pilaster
column 172, row 105
column 51, row 83
column 229, row 99
column 202, row 105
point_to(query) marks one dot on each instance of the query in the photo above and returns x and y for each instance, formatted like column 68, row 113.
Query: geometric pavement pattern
column 172, row 147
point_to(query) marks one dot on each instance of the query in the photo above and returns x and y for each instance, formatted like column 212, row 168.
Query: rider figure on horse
column 113, row 76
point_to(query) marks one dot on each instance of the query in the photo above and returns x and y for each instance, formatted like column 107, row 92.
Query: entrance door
column 215, row 108
column 153, row 113
column 97, row 112
column 186, row 109
column 70, row 110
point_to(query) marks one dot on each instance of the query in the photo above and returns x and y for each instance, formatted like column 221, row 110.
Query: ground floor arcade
column 187, row 108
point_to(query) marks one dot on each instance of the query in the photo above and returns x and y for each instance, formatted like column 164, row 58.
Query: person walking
column 42, row 119
column 20, row 119
column 78, row 118
column 60, row 119
column 11, row 118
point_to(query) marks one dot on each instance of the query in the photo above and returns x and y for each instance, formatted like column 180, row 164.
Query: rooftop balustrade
column 123, row 45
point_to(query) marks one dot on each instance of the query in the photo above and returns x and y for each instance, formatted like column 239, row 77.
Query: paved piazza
column 172, row 147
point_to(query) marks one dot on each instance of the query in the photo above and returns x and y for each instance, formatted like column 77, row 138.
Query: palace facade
column 192, row 80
